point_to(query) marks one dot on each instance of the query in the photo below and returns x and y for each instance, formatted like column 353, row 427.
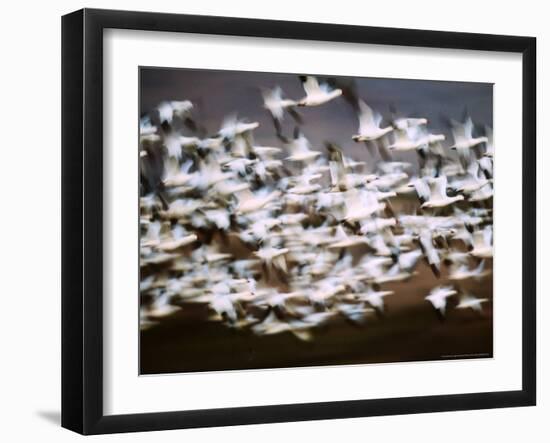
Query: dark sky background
column 217, row 94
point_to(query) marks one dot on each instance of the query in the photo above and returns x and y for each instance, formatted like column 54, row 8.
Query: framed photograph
column 269, row 221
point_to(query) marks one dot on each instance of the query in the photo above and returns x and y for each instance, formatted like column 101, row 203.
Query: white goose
column 273, row 256
column 277, row 105
column 316, row 94
column 438, row 194
column 303, row 184
column 177, row 239
column 161, row 307
column 354, row 312
column 369, row 124
column 146, row 127
column 483, row 193
column 422, row 188
column 432, row 254
column 168, row 109
column 231, row 127
column 300, row 149
column 468, row 301
column 375, row 298
column 463, row 272
column 402, row 123
column 472, row 181
column 343, row 240
column 361, row 205
column 407, row 140
column 438, row 297
column 483, row 243
column 462, row 133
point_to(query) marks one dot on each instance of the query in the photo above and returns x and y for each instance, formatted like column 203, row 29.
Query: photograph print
column 298, row 220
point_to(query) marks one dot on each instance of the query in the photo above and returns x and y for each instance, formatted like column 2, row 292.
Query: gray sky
column 219, row 93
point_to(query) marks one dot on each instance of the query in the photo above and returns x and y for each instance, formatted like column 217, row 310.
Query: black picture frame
column 82, row 218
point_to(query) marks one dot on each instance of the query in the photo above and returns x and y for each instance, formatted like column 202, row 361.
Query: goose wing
column 439, row 188
column 310, row 85
column 367, row 119
column 422, row 188
column 299, row 145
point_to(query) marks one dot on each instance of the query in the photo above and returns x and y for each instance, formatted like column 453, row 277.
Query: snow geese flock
column 288, row 238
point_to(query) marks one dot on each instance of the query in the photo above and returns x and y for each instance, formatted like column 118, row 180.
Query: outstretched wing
column 439, row 188
column 366, row 117
column 310, row 85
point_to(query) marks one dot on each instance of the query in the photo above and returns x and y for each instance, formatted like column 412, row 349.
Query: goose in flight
column 361, row 204
column 463, row 272
column 146, row 127
column 343, row 181
column 343, row 240
column 468, row 301
column 377, row 224
column 325, row 290
column 224, row 308
column 168, row 109
column 438, row 297
column 387, row 181
column 483, row 193
column 232, row 127
column 218, row 218
column 178, row 239
column 408, row 260
column 394, row 274
column 176, row 175
column 239, row 165
column 273, row 256
column 251, row 202
column 393, row 167
column 356, row 313
column 369, row 124
column 209, row 174
column 472, row 181
column 374, row 266
column 482, row 243
column 486, row 166
column 375, row 298
column 403, row 123
column 272, row 325
column 152, row 235
column 300, row 149
column 463, row 136
column 407, row 139
column 303, row 184
column 277, row 105
column 210, row 254
column 431, row 253
column 161, row 306
column 421, row 187
column 299, row 328
column 438, row 194
column 316, row 94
